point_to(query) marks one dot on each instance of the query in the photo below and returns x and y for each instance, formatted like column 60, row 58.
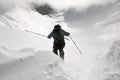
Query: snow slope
column 108, row 67
column 22, row 54
column 17, row 39
column 3, row 57
column 20, row 58
column 42, row 66
column 17, row 44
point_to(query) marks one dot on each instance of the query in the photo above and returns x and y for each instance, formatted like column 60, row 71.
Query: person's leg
column 62, row 54
column 62, row 51
column 55, row 50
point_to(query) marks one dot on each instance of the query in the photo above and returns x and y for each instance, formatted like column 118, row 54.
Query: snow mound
column 108, row 68
column 113, row 76
column 114, row 53
column 17, row 53
column 3, row 57
column 43, row 65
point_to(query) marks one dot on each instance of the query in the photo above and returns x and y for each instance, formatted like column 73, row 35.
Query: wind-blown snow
column 19, row 46
column 42, row 65
column 21, row 60
column 108, row 67
column 29, row 55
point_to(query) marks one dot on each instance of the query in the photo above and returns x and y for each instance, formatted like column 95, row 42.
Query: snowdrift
column 43, row 65
column 3, row 57
column 23, row 57
column 108, row 68
column 17, row 39
column 30, row 54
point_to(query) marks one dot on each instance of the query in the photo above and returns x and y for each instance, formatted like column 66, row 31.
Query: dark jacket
column 53, row 34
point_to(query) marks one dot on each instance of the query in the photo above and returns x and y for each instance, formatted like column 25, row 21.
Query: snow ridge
column 114, row 53
column 43, row 65
column 108, row 68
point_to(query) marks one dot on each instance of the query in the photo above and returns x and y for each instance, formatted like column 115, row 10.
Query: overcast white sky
column 59, row 4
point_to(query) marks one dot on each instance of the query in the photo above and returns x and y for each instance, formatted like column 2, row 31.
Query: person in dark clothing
column 59, row 41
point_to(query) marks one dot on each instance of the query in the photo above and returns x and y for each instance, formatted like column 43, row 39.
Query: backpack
column 58, row 36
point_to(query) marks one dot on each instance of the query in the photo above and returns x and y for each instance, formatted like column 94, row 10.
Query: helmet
column 57, row 27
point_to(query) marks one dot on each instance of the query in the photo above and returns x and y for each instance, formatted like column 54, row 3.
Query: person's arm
column 50, row 35
column 66, row 33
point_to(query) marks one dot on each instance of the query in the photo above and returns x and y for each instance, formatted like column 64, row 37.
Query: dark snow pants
column 59, row 47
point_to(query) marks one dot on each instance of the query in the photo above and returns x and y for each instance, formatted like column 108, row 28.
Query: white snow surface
column 108, row 67
column 41, row 66
column 25, row 62
column 26, row 56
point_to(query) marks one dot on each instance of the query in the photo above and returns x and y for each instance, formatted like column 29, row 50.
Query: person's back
column 59, row 42
column 58, row 36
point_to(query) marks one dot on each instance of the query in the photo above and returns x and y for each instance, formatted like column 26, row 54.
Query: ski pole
column 40, row 34
column 76, row 45
column 35, row 33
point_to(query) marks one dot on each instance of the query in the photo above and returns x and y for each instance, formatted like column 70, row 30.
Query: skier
column 59, row 41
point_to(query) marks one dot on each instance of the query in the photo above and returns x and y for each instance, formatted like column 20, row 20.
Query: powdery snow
column 108, row 67
column 42, row 65
column 25, row 56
